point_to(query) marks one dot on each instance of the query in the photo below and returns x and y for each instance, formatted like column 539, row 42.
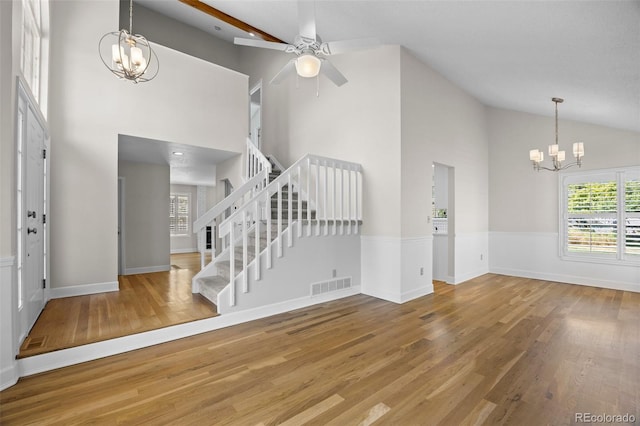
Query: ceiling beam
column 212, row 11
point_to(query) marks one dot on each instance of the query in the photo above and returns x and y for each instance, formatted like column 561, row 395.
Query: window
column 179, row 214
column 600, row 215
column 31, row 45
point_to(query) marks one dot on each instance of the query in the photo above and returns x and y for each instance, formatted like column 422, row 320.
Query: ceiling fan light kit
column 557, row 156
column 310, row 49
column 308, row 65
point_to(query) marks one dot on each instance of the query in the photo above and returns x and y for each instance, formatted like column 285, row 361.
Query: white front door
column 33, row 220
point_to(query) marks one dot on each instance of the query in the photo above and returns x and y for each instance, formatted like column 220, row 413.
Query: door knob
column 32, row 231
column 31, row 213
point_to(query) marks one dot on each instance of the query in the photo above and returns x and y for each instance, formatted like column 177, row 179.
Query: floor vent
column 331, row 285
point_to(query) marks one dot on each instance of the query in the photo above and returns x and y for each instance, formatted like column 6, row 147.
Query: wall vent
column 334, row 284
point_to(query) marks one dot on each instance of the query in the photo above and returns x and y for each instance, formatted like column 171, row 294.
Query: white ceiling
column 195, row 167
column 510, row 54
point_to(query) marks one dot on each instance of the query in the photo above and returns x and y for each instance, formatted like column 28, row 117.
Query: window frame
column 31, row 46
column 620, row 176
column 176, row 233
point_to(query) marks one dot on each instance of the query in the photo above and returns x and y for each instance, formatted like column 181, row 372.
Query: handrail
column 256, row 160
column 229, row 201
column 224, row 226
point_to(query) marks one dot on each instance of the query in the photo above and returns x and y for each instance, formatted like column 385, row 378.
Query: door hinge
column 44, row 283
column 44, row 153
column 44, row 218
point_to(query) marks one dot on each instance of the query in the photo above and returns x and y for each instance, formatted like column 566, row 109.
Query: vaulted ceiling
column 509, row 54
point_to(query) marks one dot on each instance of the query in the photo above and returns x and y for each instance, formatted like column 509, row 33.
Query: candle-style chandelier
column 557, row 156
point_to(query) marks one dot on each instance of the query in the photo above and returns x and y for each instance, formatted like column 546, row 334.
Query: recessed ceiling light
column 217, row 28
column 252, row 34
column 178, row 153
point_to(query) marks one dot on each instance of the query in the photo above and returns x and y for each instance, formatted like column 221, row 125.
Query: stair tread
column 214, row 282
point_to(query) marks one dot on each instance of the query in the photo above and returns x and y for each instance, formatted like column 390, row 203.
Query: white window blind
column 179, row 214
column 632, row 216
column 600, row 215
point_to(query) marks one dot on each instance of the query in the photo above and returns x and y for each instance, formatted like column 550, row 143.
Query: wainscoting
column 536, row 255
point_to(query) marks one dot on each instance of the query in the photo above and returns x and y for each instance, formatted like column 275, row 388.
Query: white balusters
column 268, row 210
column 232, row 268
column 324, row 198
column 309, row 197
column 333, row 200
column 300, row 218
column 257, row 217
column 289, row 211
column 317, row 198
column 279, row 217
column 245, row 244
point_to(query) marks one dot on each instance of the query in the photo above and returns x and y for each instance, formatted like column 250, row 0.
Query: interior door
column 33, row 233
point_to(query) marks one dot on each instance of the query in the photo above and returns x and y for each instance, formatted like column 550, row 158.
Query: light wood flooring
column 145, row 302
column 494, row 350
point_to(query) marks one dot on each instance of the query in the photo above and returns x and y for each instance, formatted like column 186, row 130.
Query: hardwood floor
column 494, row 350
column 145, row 302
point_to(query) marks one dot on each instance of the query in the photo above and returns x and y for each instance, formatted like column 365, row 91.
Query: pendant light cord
column 556, row 102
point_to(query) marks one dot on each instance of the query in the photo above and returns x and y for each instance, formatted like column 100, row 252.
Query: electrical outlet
column 481, row 256
column 334, row 273
column 421, row 271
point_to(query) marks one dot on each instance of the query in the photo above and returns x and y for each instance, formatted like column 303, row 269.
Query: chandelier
column 129, row 56
column 556, row 155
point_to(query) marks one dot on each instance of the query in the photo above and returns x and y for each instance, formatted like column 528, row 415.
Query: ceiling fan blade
column 260, row 43
column 338, row 47
column 332, row 73
column 307, row 19
column 289, row 68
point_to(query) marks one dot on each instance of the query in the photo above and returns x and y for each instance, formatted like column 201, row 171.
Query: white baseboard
column 8, row 364
column 147, row 269
column 468, row 276
column 9, row 376
column 65, row 357
column 568, row 279
column 184, row 250
column 83, row 290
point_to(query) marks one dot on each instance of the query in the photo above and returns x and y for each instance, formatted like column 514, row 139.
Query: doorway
column 443, row 223
column 121, row 237
column 32, row 229
column 255, row 114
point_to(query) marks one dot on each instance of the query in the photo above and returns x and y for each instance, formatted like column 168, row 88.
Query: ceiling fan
column 310, row 50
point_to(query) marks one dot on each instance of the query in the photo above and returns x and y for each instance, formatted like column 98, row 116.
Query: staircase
column 318, row 195
column 210, row 286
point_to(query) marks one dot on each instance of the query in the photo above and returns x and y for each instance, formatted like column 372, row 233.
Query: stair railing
column 256, row 160
column 333, row 186
column 258, row 169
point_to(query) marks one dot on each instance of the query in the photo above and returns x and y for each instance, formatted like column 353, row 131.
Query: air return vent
column 333, row 284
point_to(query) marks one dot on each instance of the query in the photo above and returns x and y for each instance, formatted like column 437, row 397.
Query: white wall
column 308, row 261
column 524, row 203
column 179, row 36
column 146, row 204
column 358, row 122
column 443, row 124
column 190, row 101
column 186, row 243
column 396, row 117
